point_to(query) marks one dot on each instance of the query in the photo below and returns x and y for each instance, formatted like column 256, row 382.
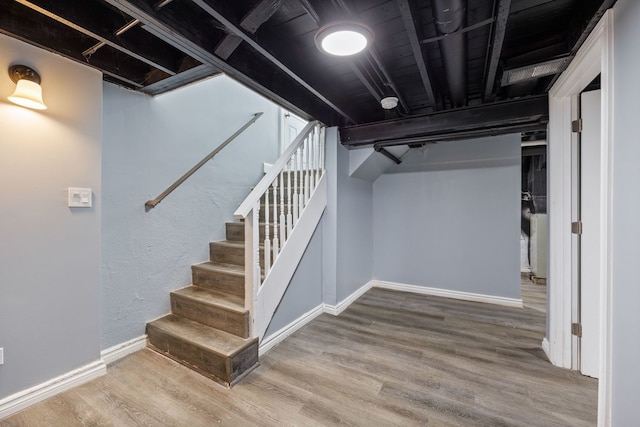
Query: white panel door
column 290, row 127
column 590, row 206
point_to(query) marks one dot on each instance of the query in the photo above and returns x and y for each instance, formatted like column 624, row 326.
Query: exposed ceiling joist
column 584, row 22
column 499, row 30
column 196, row 45
column 81, row 19
column 189, row 76
column 416, row 47
column 257, row 16
column 489, row 119
column 209, row 6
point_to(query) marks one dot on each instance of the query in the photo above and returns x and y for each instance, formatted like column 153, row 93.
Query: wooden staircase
column 208, row 328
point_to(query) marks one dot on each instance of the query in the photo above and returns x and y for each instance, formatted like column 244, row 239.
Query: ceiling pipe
column 450, row 18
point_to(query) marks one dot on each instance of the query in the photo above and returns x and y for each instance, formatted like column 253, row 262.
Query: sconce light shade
column 28, row 91
column 343, row 38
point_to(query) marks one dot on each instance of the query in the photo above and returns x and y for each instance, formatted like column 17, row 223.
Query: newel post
column 251, row 263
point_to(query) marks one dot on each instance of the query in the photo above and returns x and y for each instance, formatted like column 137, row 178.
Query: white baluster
column 276, row 241
column 310, row 163
column 301, row 184
column 257, row 281
column 267, row 241
column 283, row 224
column 295, row 186
column 317, row 166
column 289, row 214
column 306, row 172
column 322, row 149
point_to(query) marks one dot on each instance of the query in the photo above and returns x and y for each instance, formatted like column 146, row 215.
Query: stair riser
column 218, row 317
column 205, row 361
column 218, row 281
column 235, row 231
column 229, row 255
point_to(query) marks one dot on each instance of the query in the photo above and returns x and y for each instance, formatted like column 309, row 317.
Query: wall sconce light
column 343, row 38
column 28, row 91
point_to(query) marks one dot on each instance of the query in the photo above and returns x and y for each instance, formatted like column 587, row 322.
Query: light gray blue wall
column 348, row 222
column 49, row 253
column 626, row 208
column 355, row 229
column 449, row 217
column 148, row 143
column 305, row 290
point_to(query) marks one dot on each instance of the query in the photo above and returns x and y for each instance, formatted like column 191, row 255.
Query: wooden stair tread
column 205, row 337
column 214, row 298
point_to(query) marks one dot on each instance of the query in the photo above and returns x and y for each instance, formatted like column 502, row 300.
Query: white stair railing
column 285, row 192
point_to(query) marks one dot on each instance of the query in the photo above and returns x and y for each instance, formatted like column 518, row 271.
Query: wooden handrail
column 150, row 204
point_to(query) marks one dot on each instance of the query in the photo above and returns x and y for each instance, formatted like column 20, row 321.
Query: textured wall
column 449, row 217
column 49, row 253
column 148, row 143
column 626, row 205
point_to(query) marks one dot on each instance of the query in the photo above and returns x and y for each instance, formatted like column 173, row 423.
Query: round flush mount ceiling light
column 343, row 38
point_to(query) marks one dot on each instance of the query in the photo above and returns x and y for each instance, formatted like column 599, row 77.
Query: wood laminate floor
column 390, row 359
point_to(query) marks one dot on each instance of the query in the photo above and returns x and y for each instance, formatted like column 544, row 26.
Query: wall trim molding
column 342, row 305
column 23, row 399
column 594, row 58
column 545, row 347
column 118, row 351
column 446, row 293
column 280, row 335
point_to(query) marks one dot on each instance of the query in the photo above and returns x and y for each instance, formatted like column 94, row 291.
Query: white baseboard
column 280, row 335
column 545, row 347
column 446, row 293
column 23, row 399
column 342, row 305
column 118, row 351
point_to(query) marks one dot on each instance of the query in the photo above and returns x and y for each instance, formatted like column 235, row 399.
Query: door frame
column 593, row 58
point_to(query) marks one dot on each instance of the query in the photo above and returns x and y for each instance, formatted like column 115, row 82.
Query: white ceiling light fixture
column 343, row 38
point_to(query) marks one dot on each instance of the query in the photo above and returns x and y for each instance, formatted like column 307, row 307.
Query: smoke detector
column 389, row 102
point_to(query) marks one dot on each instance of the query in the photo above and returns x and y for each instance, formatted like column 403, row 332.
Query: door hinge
column 576, row 227
column 576, row 126
column 576, row 329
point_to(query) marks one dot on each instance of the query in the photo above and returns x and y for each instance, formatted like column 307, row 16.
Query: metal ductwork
column 451, row 16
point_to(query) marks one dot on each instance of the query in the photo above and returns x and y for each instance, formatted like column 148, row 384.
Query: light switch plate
column 1, row 356
column 79, row 197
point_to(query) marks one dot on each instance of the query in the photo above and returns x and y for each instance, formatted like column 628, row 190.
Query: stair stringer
column 277, row 281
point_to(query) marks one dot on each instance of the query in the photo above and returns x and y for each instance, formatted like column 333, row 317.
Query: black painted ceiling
column 444, row 59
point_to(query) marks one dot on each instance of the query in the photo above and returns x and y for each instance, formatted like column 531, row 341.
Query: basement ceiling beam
column 588, row 16
column 189, row 76
column 82, row 18
column 488, row 119
column 24, row 24
column 210, row 7
column 197, row 45
column 250, row 23
column 416, row 47
column 499, row 30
